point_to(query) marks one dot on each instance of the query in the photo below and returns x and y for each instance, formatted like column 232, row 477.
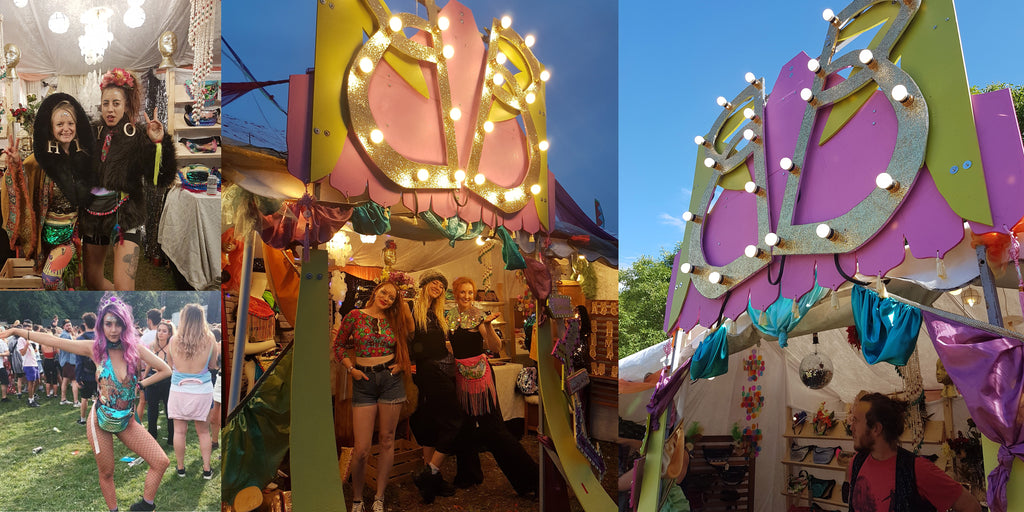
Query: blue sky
column 675, row 58
column 576, row 41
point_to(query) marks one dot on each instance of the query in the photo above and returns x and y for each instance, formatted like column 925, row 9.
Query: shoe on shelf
column 142, row 505
column 207, row 474
column 378, row 505
column 80, row 421
column 181, row 472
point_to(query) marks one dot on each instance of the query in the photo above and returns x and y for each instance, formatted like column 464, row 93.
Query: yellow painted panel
column 1015, row 485
column 736, row 179
column 578, row 474
column 846, row 108
column 932, row 55
column 501, row 112
column 409, row 69
column 650, row 487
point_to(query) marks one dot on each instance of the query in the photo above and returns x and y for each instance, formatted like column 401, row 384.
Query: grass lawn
column 62, row 477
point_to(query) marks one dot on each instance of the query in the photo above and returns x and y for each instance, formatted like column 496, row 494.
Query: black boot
column 427, row 485
column 142, row 505
column 444, row 488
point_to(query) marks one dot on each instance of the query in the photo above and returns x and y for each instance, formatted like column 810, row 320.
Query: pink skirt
column 189, row 406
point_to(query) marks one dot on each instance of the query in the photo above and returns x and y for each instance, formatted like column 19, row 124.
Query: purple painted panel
column 728, row 227
column 1003, row 156
column 300, row 104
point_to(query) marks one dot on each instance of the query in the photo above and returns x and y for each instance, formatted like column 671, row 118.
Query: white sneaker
column 357, row 507
column 65, row 402
column 378, row 505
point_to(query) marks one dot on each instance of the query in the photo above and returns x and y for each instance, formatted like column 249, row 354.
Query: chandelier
column 96, row 38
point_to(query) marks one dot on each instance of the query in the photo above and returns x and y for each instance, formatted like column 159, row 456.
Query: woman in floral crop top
column 372, row 344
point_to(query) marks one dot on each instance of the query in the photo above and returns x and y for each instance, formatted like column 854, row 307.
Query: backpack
column 906, row 498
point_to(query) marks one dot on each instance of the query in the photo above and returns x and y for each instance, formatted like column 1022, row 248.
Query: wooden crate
column 17, row 274
column 408, row 460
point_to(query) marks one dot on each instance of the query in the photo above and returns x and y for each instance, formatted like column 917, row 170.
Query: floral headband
column 118, row 77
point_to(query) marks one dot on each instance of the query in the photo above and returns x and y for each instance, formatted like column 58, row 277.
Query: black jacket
column 128, row 168
column 72, row 173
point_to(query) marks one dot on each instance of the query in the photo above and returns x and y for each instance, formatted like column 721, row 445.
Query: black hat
column 433, row 275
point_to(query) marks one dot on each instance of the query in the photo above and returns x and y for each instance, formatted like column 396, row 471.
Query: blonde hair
column 424, row 304
column 192, row 331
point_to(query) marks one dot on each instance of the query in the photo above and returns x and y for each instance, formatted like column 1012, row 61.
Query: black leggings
column 156, row 393
column 438, row 419
column 489, row 431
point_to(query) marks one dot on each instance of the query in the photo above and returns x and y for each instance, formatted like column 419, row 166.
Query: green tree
column 643, row 291
column 1016, row 92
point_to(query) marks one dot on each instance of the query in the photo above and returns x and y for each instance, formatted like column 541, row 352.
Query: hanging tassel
column 940, row 267
column 118, row 233
column 835, row 299
column 763, row 322
column 796, row 309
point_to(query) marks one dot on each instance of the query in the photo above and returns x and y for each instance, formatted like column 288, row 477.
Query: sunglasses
column 821, row 454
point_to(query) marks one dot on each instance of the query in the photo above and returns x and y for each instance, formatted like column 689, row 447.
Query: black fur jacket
column 128, row 168
column 71, row 173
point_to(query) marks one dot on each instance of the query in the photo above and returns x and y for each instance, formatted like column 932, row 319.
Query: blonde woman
column 193, row 353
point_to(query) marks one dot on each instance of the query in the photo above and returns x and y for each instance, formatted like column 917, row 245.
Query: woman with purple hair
column 118, row 355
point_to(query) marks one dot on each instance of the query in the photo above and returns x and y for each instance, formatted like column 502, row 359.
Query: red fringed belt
column 475, row 385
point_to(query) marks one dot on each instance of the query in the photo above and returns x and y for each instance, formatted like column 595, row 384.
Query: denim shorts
column 381, row 388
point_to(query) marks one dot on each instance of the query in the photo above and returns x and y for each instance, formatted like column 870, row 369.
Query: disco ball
column 816, row 370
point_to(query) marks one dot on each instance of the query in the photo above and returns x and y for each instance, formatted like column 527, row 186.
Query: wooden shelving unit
column 177, row 100
column 716, row 494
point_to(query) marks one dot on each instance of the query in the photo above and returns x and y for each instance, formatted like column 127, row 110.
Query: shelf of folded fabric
column 183, row 154
column 834, row 465
column 836, row 498
column 933, row 433
column 196, row 131
column 181, row 98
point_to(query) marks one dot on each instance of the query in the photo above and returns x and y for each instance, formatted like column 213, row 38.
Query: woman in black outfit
column 469, row 328
column 160, row 391
column 438, row 419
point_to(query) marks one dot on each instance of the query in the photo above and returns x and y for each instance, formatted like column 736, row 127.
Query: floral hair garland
column 118, row 77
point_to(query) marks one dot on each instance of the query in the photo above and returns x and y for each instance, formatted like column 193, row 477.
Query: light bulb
column 543, row 145
column 709, row 162
column 506, row 21
column 395, row 23
column 823, row 231
column 529, row 40
column 900, row 93
column 460, row 175
column 751, row 251
column 479, row 179
column 771, row 239
column 530, row 98
column 377, row 136
column 479, row 240
column 750, row 77
column 488, row 126
column 688, row 216
column 545, row 75
column 535, row 189
column 501, row 58
column 422, row 174
column 813, row 66
column 829, row 15
column 59, row 23
column 885, row 181
column 365, row 65
column 442, row 23
column 751, row 188
column 448, row 51
column 686, row 268
column 714, row 278
column 749, row 134
column 367, row 239
column 865, row 56
column 807, row 95
column 134, row 17
column 498, row 79
column 748, row 113
column 786, row 163
column 722, row 102
column 698, row 140
column 455, row 114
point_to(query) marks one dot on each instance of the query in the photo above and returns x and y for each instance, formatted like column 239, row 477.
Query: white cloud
column 673, row 221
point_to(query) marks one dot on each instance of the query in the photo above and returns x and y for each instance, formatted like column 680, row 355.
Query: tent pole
column 241, row 323
column 988, row 286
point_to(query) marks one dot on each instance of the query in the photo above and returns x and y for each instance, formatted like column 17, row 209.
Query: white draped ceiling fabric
column 46, row 53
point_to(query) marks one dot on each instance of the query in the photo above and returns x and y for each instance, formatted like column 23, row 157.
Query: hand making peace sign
column 154, row 128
